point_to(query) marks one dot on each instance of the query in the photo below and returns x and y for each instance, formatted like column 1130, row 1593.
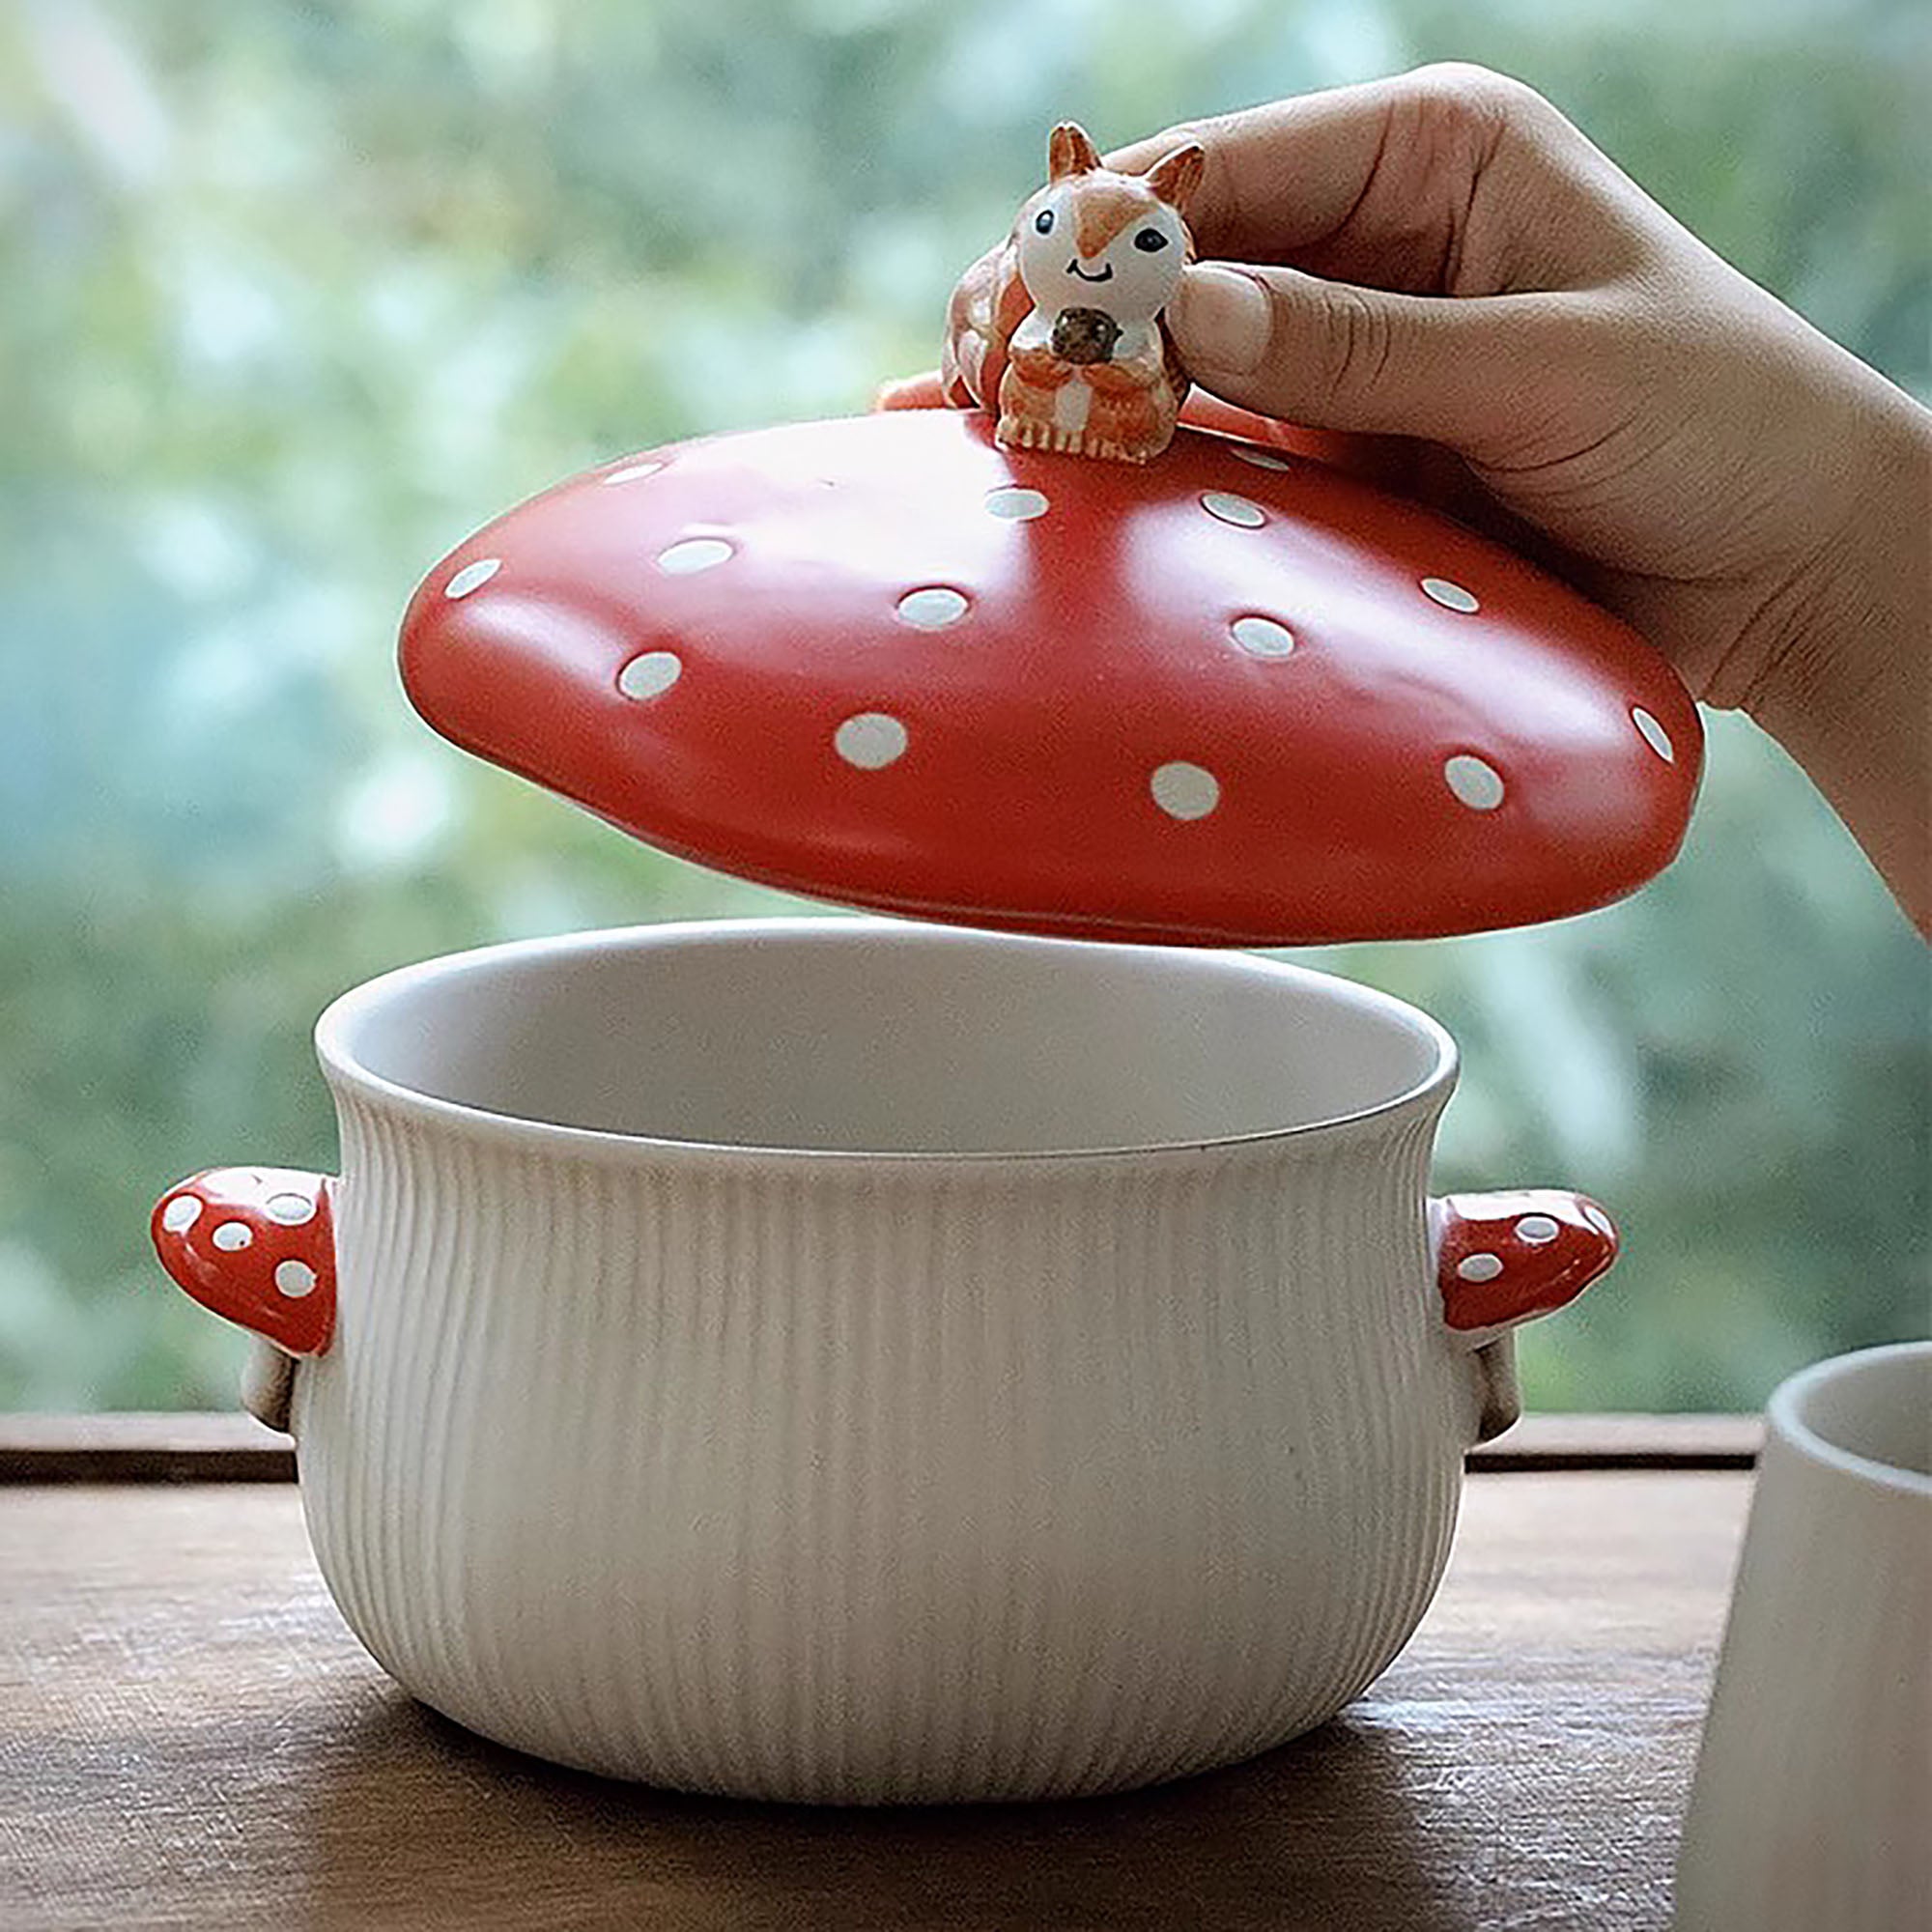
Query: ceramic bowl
column 1813, row 1789
column 849, row 1360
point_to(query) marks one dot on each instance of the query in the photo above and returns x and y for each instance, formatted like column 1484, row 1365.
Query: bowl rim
column 348, row 1076
column 1789, row 1414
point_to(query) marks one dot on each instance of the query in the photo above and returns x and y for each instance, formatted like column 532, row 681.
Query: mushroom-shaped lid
column 1234, row 697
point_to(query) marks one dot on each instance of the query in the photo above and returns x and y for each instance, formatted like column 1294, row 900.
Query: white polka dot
column 180, row 1213
column 1479, row 785
column 1185, row 791
column 1451, row 596
column 933, row 607
column 295, row 1279
column 1015, row 505
column 1263, row 459
column 1233, row 509
column 1262, row 636
column 1480, row 1267
column 650, row 674
column 231, row 1236
column 692, row 554
column 1536, row 1228
column 473, row 577
column 290, row 1209
column 632, row 471
column 1599, row 1220
column 1654, row 734
column 872, row 741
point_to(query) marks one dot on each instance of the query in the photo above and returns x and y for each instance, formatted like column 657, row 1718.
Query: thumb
column 1333, row 355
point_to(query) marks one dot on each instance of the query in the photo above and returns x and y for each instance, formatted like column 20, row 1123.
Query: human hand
column 1600, row 389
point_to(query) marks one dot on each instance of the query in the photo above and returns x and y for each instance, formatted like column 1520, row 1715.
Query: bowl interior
column 865, row 1036
column 1871, row 1411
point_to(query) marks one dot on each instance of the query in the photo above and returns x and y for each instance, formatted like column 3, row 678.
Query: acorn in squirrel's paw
column 1060, row 329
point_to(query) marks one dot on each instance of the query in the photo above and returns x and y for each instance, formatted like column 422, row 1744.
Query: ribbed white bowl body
column 882, row 1479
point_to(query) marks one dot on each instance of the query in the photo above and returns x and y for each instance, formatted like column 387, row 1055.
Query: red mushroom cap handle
column 1503, row 1258
column 256, row 1245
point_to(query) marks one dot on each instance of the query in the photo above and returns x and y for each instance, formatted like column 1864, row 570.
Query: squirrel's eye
column 1043, row 221
column 1149, row 240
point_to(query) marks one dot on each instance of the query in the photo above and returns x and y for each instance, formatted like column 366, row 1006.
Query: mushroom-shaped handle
column 256, row 1245
column 1504, row 1259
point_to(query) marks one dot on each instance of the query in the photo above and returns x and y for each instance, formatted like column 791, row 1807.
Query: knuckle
column 1461, row 117
column 1358, row 346
column 1467, row 92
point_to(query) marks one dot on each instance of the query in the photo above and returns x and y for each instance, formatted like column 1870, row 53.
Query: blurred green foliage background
column 294, row 295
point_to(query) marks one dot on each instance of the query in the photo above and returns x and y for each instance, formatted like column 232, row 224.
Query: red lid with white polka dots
column 1233, row 696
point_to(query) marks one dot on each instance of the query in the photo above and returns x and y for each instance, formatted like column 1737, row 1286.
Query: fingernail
column 1220, row 320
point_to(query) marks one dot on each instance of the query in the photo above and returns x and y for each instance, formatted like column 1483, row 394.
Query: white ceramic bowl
column 1811, row 1810
column 850, row 1361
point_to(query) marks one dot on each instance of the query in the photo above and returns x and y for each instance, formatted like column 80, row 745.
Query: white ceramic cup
column 1811, row 1810
column 852, row 1360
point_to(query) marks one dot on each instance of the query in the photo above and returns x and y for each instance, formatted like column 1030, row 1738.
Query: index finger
column 1449, row 180
column 1280, row 179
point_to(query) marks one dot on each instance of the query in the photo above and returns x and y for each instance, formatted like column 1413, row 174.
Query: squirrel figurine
column 1059, row 330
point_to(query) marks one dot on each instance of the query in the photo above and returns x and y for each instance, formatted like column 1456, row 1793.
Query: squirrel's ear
column 1069, row 152
column 1174, row 177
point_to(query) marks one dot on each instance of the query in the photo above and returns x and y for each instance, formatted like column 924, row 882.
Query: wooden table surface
column 189, row 1737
